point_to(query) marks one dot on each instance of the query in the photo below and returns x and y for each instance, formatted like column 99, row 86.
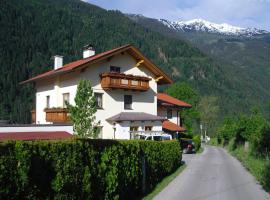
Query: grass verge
column 258, row 166
column 200, row 150
column 164, row 183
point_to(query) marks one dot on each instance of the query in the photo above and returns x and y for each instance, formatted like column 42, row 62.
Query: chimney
column 58, row 61
column 88, row 51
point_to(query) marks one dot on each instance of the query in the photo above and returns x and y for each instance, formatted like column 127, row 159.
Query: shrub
column 84, row 168
column 197, row 141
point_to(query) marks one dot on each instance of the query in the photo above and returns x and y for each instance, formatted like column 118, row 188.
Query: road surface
column 213, row 175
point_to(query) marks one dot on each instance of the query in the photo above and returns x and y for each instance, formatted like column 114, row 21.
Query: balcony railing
column 136, row 134
column 57, row 115
column 124, row 81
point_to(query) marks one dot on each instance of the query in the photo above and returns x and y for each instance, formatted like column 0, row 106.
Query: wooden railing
column 124, row 81
column 57, row 115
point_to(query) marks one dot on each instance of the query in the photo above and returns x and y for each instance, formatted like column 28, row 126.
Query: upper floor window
column 115, row 69
column 127, row 102
column 65, row 99
column 169, row 113
column 47, row 101
column 99, row 100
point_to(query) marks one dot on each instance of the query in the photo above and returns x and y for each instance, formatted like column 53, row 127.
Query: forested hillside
column 32, row 31
column 243, row 58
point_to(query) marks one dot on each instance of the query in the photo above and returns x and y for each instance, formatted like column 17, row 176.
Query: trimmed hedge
column 84, row 168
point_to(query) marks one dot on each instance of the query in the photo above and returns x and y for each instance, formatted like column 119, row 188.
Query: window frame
column 169, row 113
column 115, row 69
column 134, row 127
column 147, row 127
column 128, row 102
column 68, row 99
column 48, row 100
column 99, row 94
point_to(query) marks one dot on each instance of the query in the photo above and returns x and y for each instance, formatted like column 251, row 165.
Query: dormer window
column 115, row 69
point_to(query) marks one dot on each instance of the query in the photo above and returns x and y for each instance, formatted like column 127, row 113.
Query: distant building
column 170, row 108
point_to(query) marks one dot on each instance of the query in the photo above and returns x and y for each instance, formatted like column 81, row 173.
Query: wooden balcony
column 124, row 81
column 57, row 115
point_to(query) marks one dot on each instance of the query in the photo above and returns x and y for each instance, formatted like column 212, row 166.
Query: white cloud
column 253, row 13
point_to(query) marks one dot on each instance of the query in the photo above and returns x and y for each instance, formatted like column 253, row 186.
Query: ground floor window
column 148, row 128
column 134, row 128
column 99, row 130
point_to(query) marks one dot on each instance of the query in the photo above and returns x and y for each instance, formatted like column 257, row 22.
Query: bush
column 83, row 168
column 197, row 141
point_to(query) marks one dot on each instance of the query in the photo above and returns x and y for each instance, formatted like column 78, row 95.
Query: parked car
column 157, row 137
column 187, row 146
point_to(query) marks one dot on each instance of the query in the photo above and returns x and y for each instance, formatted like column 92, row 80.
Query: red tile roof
column 172, row 126
column 35, row 135
column 81, row 63
column 171, row 100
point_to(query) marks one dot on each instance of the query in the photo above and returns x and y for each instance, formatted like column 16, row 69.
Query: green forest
column 32, row 31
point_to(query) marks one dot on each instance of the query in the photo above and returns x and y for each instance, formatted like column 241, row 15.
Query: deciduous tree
column 83, row 112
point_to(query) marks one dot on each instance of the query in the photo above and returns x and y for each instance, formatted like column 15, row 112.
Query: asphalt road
column 213, row 175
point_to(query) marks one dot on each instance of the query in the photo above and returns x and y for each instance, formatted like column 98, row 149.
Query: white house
column 125, row 85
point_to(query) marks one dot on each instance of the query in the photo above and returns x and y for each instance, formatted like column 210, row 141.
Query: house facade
column 124, row 83
column 170, row 108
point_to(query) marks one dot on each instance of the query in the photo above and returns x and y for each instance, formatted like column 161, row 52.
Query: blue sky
column 244, row 13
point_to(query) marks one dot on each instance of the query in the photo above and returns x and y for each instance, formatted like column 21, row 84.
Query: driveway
column 213, row 175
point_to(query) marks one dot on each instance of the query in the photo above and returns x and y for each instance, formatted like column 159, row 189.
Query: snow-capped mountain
column 201, row 25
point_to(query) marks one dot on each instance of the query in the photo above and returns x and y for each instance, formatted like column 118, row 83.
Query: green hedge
column 84, row 169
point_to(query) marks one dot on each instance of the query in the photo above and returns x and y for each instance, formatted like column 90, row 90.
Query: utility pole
column 201, row 128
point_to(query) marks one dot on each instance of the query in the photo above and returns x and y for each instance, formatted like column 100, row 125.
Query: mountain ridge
column 201, row 25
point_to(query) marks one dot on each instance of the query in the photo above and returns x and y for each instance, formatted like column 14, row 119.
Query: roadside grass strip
column 160, row 186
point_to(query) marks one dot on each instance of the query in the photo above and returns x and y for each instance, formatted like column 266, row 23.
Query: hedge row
column 84, row 169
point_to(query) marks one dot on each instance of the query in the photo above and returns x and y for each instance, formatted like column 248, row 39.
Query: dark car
column 187, row 146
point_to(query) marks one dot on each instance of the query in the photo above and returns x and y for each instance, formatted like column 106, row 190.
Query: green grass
column 258, row 166
column 164, row 183
column 200, row 150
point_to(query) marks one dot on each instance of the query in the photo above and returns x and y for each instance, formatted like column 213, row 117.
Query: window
column 99, row 131
column 115, row 69
column 127, row 102
column 149, row 138
column 47, row 101
column 65, row 99
column 169, row 113
column 134, row 128
column 148, row 128
column 99, row 98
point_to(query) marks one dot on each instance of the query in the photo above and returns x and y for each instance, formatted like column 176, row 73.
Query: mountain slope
column 242, row 57
column 34, row 30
